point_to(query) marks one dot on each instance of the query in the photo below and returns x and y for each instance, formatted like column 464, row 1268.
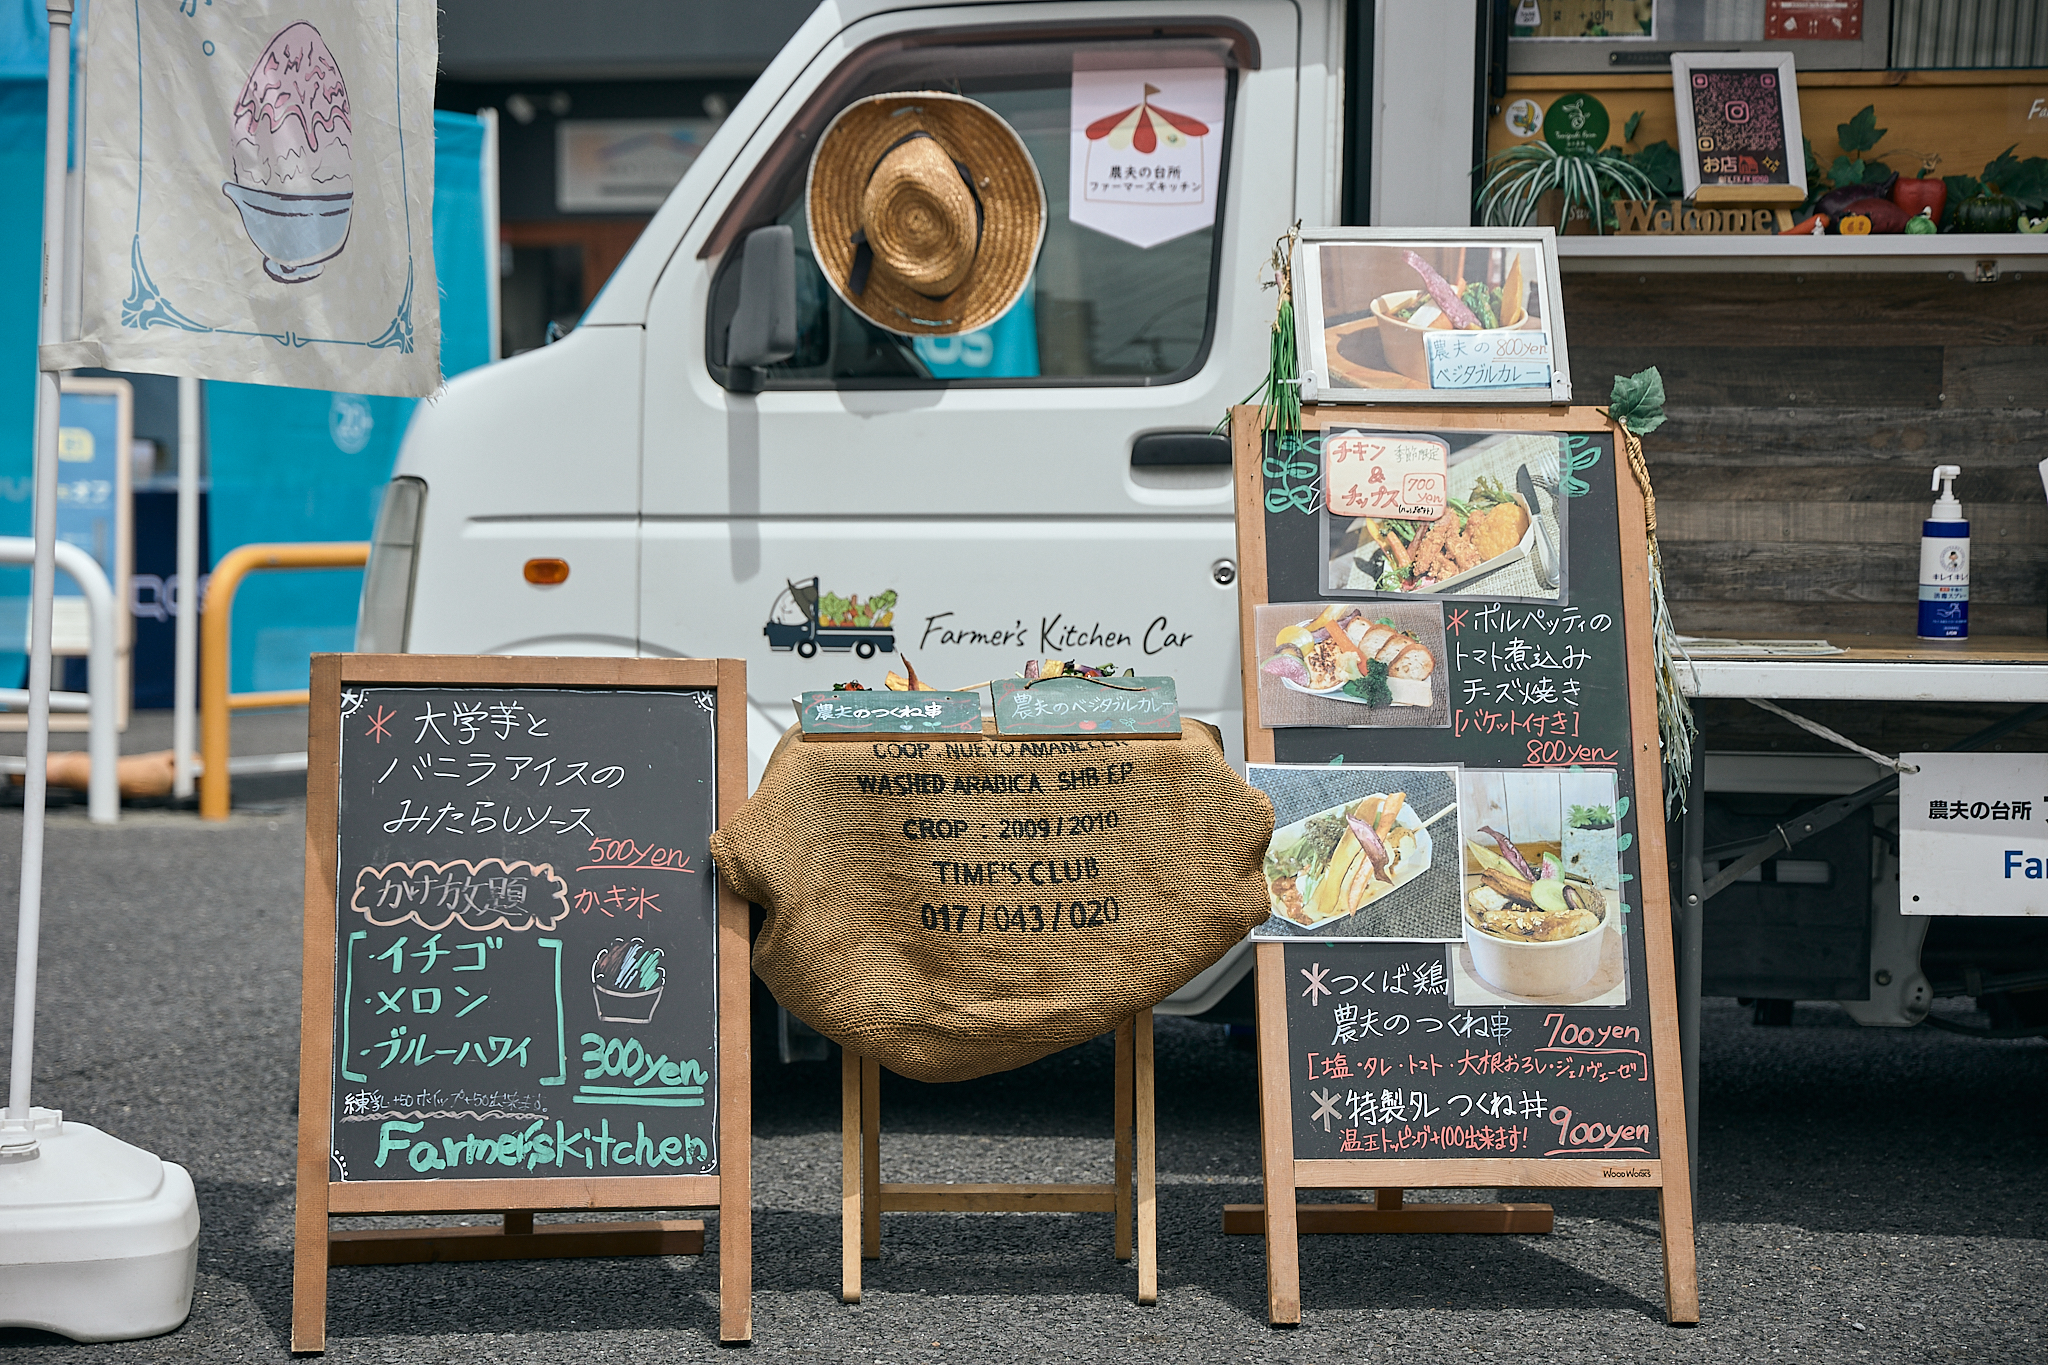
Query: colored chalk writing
column 525, row 955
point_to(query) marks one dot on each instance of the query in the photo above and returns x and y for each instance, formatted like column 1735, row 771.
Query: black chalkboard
column 1386, row 1066
column 1422, row 1019
column 525, row 950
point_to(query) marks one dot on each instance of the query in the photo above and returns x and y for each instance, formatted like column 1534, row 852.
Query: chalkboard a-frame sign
column 525, row 987
column 1394, row 1049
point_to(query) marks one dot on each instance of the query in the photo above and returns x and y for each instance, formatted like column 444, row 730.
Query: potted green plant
column 1534, row 182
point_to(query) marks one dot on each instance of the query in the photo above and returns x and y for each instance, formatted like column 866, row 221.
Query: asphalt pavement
column 1867, row 1195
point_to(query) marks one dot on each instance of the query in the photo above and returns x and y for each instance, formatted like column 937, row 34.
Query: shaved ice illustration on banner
column 1146, row 152
column 259, row 194
column 293, row 167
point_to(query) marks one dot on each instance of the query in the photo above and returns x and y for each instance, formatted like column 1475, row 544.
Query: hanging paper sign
column 1372, row 474
column 889, row 713
column 259, row 195
column 1487, row 360
column 1146, row 152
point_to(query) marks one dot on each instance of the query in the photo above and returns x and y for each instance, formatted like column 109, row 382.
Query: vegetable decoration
column 1999, row 199
column 1922, row 223
column 1923, row 193
column 1855, row 225
column 1636, row 406
column 1279, row 393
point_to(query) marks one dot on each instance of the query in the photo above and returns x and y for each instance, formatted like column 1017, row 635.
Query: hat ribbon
column 864, row 255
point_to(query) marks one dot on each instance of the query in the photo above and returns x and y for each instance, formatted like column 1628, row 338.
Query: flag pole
column 17, row 1133
column 185, row 601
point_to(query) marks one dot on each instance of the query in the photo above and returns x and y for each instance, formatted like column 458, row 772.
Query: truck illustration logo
column 805, row 620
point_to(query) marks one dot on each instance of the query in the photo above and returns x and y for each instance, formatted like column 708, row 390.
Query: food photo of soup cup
column 1529, row 967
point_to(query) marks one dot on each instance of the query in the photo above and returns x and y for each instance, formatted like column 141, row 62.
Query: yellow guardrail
column 215, row 701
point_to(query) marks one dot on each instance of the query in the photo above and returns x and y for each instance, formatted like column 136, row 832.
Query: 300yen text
column 1024, row 919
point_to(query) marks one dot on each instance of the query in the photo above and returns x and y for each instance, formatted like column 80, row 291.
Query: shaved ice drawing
column 294, row 169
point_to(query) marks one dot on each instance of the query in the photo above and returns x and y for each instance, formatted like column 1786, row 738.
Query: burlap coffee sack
column 958, row 908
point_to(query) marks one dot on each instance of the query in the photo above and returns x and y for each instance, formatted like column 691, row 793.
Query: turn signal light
column 547, row 571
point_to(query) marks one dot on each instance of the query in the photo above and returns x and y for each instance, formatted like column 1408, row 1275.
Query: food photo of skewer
column 1370, row 861
column 1353, row 664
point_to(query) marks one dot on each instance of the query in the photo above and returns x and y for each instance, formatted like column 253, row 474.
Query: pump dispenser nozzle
column 1946, row 508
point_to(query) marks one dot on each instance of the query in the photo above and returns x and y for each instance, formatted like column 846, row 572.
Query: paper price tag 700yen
column 1389, row 475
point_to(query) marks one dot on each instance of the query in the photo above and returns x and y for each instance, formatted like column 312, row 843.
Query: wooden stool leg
column 849, row 1175
column 871, row 1158
column 1148, row 1186
column 1125, row 1087
column 1276, row 1141
column 310, row 1251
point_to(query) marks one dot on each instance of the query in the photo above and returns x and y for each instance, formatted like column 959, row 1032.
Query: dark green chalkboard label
column 890, row 713
column 1086, row 706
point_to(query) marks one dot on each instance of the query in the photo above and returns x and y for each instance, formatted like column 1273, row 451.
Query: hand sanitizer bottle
column 1945, row 564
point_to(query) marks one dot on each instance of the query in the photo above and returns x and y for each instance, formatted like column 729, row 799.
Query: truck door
column 971, row 502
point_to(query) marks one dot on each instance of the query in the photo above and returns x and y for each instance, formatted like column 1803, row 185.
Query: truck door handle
column 1180, row 448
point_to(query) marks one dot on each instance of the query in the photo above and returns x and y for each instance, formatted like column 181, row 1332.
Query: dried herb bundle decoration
column 1636, row 405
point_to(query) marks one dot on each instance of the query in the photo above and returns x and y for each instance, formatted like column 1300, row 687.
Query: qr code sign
column 1738, row 127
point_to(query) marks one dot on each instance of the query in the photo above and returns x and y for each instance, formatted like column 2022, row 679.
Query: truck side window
column 1098, row 309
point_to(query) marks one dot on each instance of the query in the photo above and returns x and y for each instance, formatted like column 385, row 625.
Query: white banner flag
column 1147, row 148
column 259, row 194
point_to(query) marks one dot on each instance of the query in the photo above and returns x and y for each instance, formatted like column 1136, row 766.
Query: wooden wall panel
column 1806, row 416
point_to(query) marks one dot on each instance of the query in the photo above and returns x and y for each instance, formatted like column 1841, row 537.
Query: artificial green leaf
column 1860, row 133
column 1659, row 162
column 1628, row 130
column 1637, row 401
column 2001, row 166
column 2027, row 183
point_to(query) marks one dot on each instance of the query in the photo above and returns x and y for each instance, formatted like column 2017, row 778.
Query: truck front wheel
column 807, row 649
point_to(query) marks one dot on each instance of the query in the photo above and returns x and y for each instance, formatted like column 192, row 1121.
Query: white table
column 2009, row 668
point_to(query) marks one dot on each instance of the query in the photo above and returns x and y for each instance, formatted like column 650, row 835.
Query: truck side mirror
column 763, row 330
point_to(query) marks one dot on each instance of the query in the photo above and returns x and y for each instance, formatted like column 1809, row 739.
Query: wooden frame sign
column 1739, row 139
column 526, row 989
column 1467, row 976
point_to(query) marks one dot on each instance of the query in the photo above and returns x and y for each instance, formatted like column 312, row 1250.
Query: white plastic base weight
column 98, row 1240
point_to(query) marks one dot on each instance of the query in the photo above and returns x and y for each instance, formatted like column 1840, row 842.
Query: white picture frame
column 1689, row 67
column 1350, row 349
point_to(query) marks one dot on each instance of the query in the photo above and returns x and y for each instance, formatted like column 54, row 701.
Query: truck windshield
column 1099, row 307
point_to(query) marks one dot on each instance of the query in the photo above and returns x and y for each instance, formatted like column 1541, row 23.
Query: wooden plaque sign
column 1466, row 979
column 525, row 987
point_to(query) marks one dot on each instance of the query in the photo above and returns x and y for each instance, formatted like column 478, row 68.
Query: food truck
column 1054, row 486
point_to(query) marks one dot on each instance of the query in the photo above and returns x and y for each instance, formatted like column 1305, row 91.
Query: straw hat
column 926, row 212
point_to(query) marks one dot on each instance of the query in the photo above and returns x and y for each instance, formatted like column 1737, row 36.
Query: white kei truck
column 721, row 449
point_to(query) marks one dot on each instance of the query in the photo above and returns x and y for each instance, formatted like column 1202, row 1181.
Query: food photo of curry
column 1542, row 889
column 1346, row 858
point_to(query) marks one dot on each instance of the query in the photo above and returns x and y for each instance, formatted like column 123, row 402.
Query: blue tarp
column 304, row 464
